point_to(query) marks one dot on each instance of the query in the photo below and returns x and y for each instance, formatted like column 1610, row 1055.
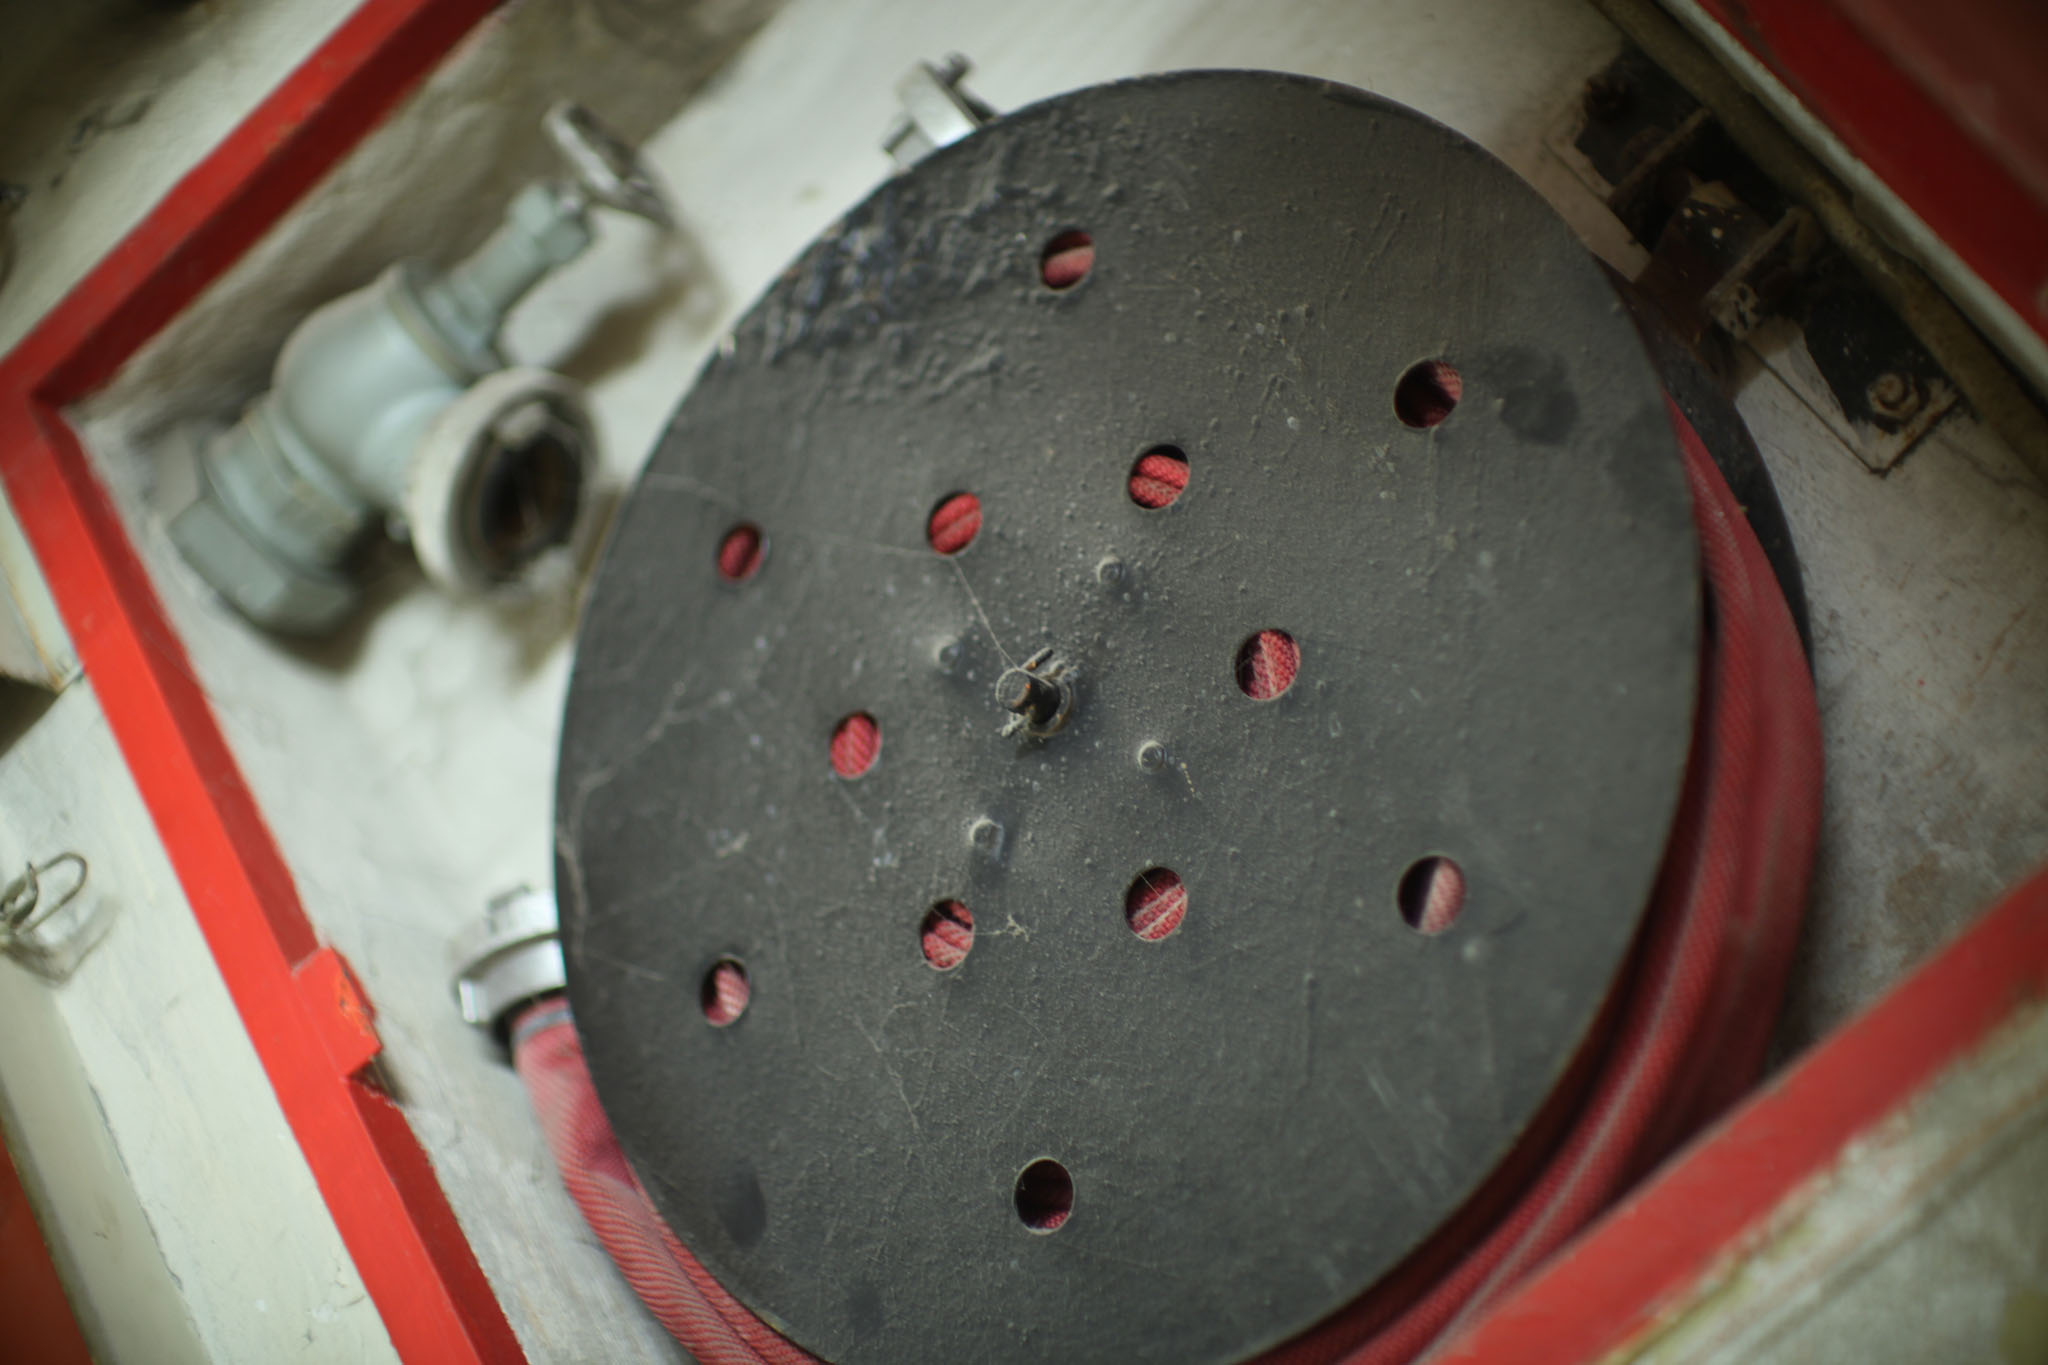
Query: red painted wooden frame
column 1945, row 102
column 40, row 1324
column 307, row 1018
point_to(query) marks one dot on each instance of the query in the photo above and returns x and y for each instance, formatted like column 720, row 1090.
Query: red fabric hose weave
column 710, row 1323
column 1682, row 1035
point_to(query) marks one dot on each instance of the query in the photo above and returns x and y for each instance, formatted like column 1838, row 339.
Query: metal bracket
column 937, row 111
column 512, row 957
column 1730, row 257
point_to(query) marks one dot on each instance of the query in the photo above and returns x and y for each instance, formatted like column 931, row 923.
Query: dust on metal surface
column 1193, row 1082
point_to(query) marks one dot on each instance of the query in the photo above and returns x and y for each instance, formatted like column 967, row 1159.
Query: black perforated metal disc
column 1263, row 1112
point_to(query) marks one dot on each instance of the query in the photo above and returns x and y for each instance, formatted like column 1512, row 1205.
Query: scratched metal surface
column 1498, row 624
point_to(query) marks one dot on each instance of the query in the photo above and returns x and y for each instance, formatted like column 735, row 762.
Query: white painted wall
column 105, row 104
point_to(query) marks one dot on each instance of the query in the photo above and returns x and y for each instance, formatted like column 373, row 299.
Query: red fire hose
column 1682, row 1035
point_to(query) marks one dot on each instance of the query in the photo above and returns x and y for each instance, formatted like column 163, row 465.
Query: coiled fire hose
column 1681, row 1036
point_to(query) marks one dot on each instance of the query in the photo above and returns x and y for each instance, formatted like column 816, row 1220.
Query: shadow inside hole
column 1045, row 1195
column 1431, row 895
column 1427, row 392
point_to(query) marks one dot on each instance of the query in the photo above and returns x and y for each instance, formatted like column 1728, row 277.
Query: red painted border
column 40, row 1324
column 1968, row 187
column 302, row 1009
column 1644, row 1256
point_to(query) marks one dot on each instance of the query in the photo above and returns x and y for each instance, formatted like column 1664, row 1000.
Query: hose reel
column 1123, row 741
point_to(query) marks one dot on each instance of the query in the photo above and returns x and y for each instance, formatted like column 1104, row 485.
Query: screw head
column 1110, row 572
column 985, row 835
column 1038, row 693
column 1151, row 755
column 1895, row 396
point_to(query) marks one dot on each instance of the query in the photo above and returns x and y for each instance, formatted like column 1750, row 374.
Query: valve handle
column 605, row 168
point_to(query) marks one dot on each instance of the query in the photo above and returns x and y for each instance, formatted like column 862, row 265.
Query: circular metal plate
column 1263, row 1111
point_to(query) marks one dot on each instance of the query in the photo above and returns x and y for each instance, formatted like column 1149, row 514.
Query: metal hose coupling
column 393, row 412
